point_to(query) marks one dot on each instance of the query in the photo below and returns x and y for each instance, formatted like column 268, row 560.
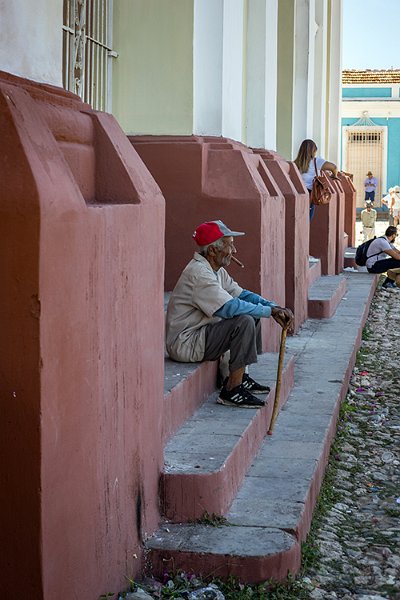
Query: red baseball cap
column 210, row 232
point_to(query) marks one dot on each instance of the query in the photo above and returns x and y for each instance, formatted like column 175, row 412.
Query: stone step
column 324, row 296
column 314, row 269
column 250, row 554
column 206, row 460
column 186, row 387
column 349, row 257
column 272, row 511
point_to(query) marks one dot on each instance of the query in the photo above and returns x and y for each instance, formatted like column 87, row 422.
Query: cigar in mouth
column 237, row 261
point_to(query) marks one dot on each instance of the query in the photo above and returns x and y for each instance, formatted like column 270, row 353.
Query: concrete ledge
column 282, row 486
column 206, row 460
column 279, row 492
column 314, row 270
column 324, row 296
column 186, row 387
column 252, row 554
column 350, row 258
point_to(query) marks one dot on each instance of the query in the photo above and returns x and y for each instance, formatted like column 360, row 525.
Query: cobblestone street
column 358, row 539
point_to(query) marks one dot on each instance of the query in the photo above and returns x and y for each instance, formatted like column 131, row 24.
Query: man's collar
column 201, row 258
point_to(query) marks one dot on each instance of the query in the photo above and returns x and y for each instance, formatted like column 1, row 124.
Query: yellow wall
column 285, row 77
column 153, row 74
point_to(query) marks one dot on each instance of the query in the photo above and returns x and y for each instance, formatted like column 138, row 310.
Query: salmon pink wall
column 81, row 354
column 297, row 232
column 349, row 207
column 324, row 234
column 207, row 178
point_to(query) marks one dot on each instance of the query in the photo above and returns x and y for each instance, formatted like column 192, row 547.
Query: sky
column 371, row 37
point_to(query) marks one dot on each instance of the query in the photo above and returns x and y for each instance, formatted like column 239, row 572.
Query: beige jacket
column 199, row 293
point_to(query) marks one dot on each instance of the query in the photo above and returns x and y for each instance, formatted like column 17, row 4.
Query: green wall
column 284, row 123
column 153, row 74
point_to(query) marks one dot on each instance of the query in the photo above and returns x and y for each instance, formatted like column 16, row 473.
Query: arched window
column 87, row 50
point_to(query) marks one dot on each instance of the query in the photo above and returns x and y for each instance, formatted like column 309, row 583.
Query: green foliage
column 213, row 520
column 366, row 332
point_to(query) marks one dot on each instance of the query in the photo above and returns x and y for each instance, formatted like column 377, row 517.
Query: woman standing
column 305, row 163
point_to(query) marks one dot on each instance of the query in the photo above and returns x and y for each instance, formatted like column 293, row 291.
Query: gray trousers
column 240, row 335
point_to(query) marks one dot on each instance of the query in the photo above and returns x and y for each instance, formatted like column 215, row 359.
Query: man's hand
column 284, row 317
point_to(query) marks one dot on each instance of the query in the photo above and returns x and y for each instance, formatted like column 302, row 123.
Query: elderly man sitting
column 209, row 314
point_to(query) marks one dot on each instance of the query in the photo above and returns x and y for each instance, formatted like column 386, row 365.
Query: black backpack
column 361, row 252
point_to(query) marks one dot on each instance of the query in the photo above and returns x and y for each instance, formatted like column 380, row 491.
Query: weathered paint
column 82, row 346
column 297, row 229
column 31, row 39
column 349, row 208
column 203, row 179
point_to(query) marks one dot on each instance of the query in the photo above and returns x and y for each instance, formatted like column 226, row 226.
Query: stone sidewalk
column 358, row 539
column 280, row 489
column 355, row 530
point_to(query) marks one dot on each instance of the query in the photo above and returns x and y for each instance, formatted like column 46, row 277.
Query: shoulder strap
column 315, row 167
column 376, row 253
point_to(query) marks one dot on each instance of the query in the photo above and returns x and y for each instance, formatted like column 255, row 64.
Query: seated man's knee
column 246, row 322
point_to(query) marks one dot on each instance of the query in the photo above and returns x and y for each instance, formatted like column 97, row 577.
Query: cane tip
column 269, row 432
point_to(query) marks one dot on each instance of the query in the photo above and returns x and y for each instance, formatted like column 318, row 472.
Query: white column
column 232, row 69
column 207, row 67
column 395, row 90
column 312, row 31
column 262, row 36
column 335, row 83
column 301, row 74
column 320, row 66
column 31, row 39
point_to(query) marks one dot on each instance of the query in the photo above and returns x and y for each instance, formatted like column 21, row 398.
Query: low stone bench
column 270, row 516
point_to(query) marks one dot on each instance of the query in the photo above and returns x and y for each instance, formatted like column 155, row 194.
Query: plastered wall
column 31, row 39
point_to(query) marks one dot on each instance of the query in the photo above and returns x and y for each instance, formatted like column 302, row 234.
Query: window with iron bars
column 369, row 137
column 364, row 152
column 87, row 51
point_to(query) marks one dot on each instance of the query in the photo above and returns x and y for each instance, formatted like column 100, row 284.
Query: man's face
column 223, row 257
column 369, row 208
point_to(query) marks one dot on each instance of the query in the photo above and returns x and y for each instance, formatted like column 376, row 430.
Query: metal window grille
column 87, row 50
column 364, row 152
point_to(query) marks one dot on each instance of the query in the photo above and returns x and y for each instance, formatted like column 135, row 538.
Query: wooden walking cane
column 278, row 381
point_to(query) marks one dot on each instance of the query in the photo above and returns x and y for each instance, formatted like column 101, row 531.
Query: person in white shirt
column 382, row 256
column 368, row 220
column 396, row 205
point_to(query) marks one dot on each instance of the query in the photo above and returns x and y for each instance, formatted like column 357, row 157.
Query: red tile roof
column 371, row 76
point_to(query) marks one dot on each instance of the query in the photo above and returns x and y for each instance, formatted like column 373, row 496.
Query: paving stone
column 370, row 512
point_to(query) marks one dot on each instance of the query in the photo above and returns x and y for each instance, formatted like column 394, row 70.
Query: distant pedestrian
column 370, row 185
column 396, row 205
column 305, row 163
column 368, row 220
